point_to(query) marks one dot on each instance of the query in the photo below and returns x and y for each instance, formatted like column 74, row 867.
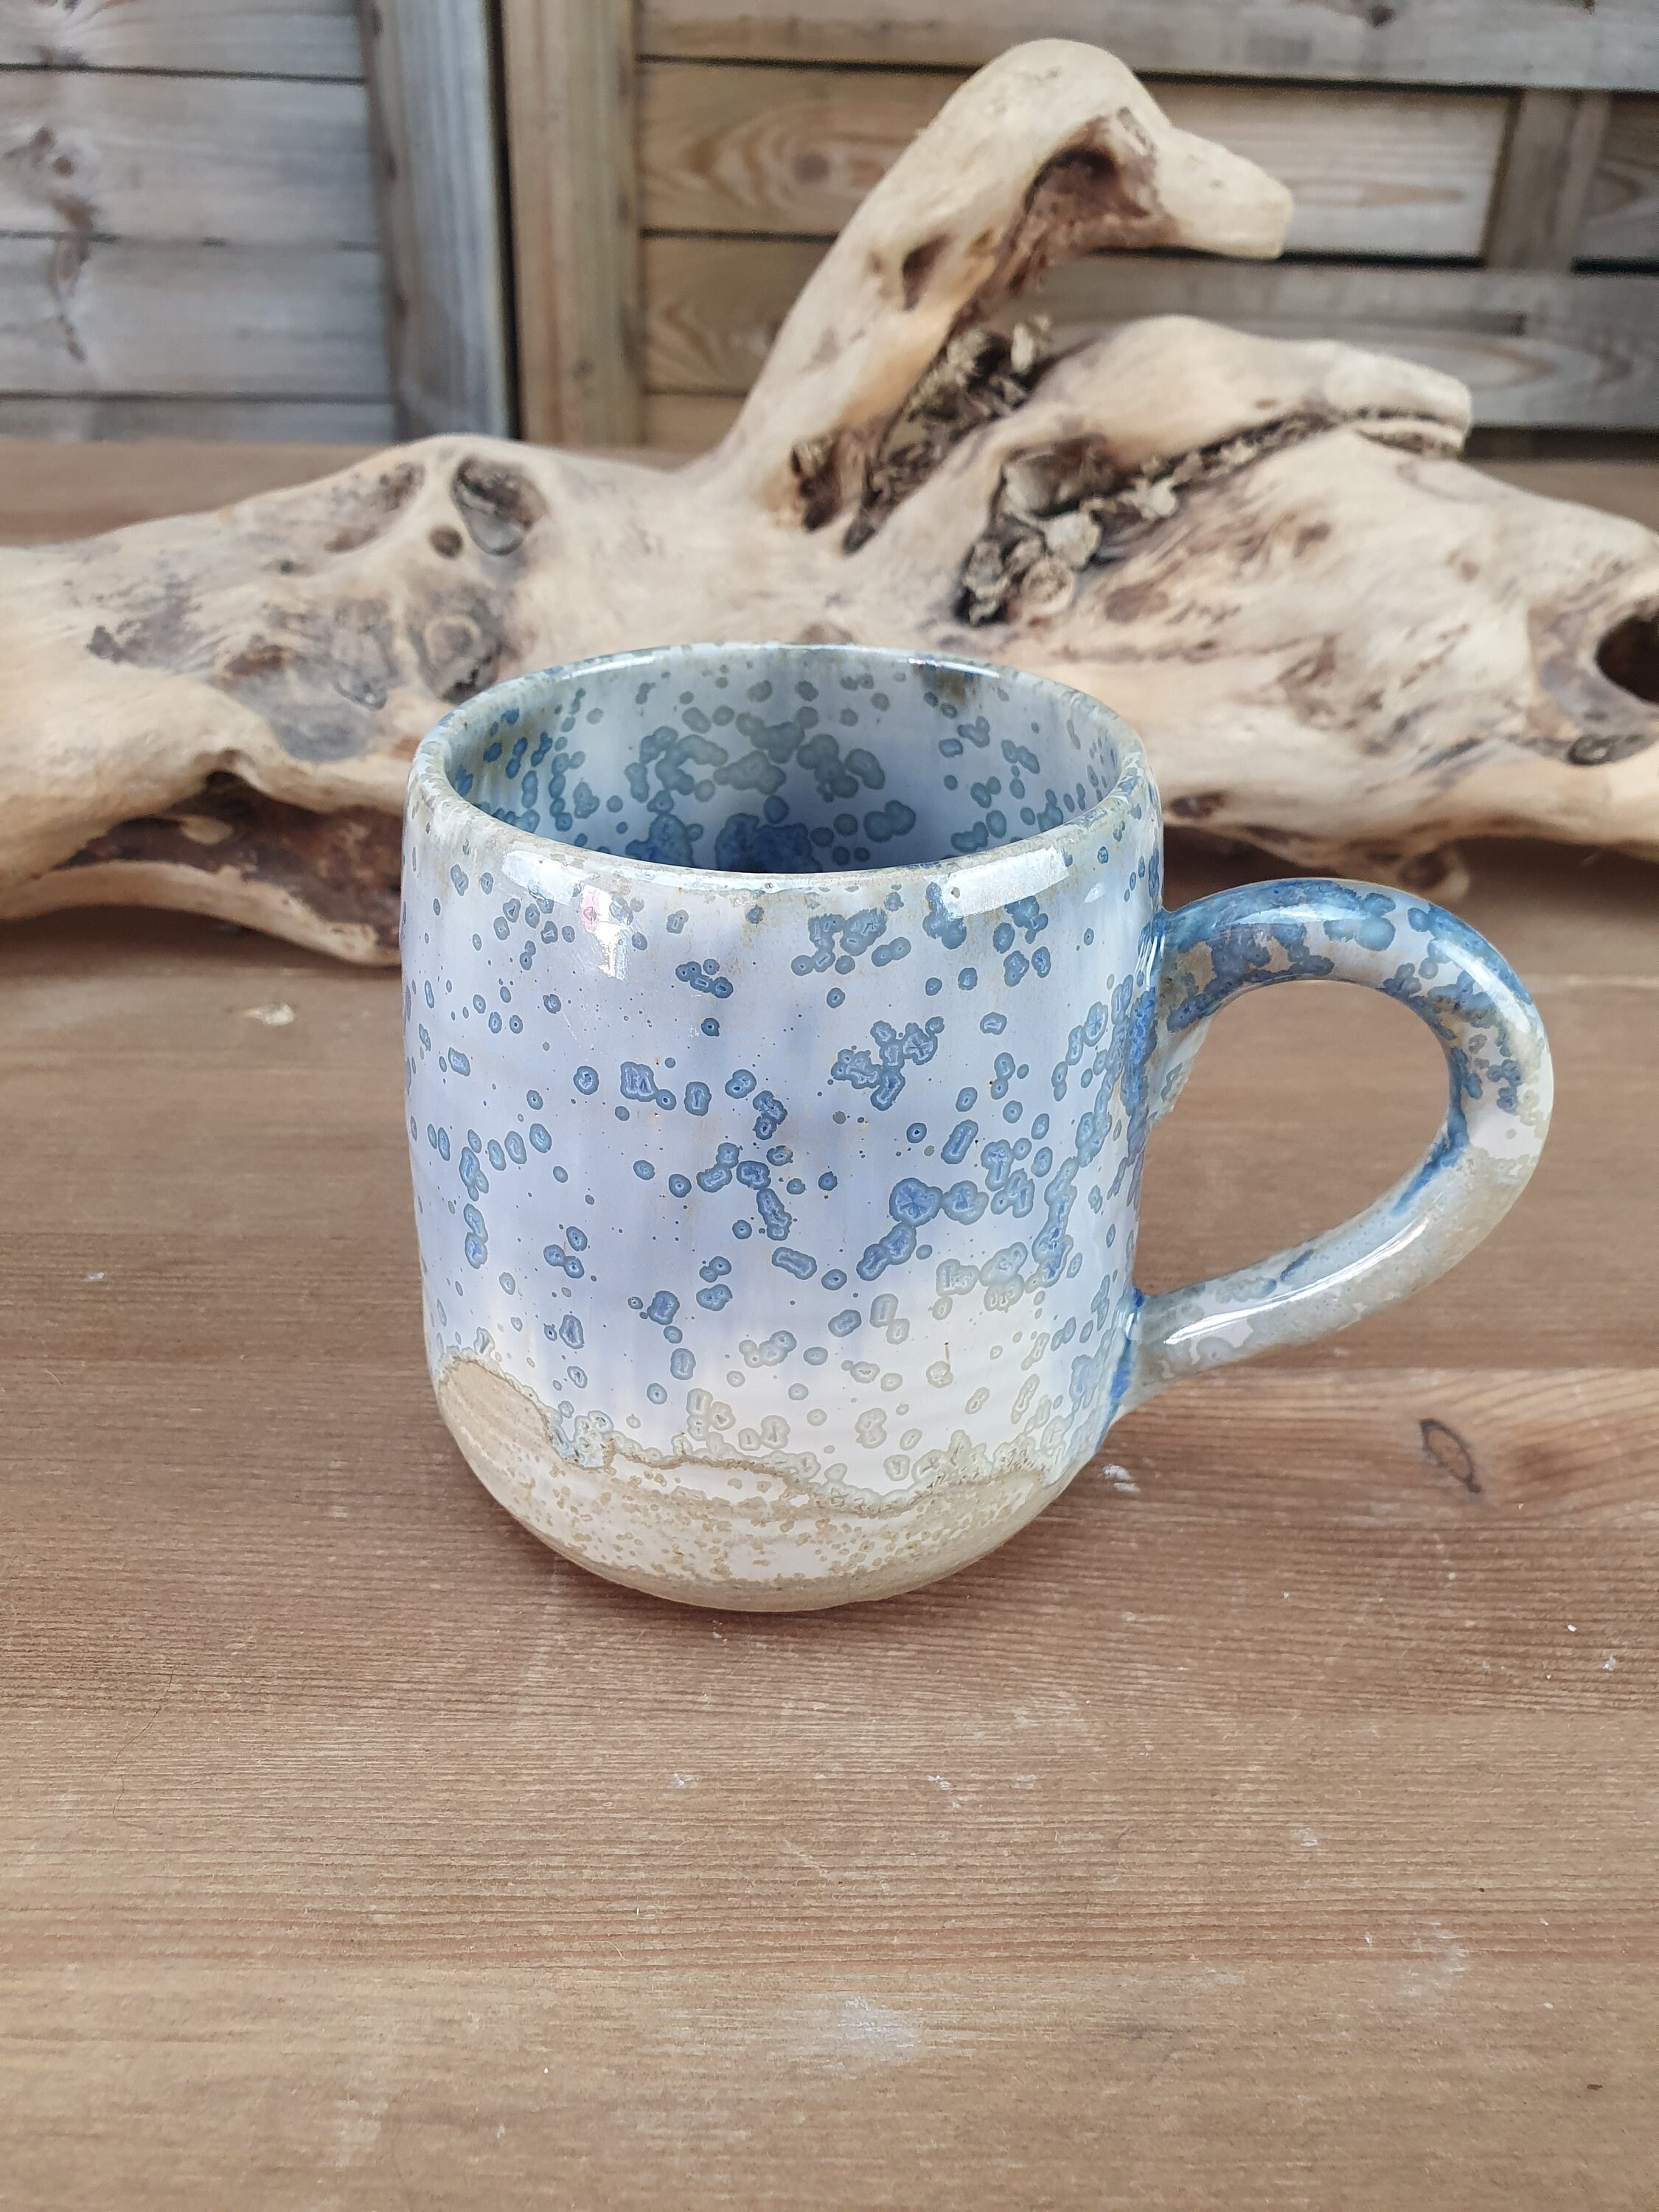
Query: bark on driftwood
column 1336, row 641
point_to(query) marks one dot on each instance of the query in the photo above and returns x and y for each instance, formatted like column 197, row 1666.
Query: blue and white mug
column 784, row 1025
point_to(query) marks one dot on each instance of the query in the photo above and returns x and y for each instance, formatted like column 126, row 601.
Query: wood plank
column 1572, row 351
column 50, row 492
column 1278, row 1806
column 243, row 38
column 244, row 161
column 1621, row 221
column 431, row 76
column 677, row 423
column 779, row 152
column 1614, row 46
column 1614, row 486
column 712, row 307
column 1577, row 350
column 251, row 322
column 570, row 106
column 791, row 152
column 365, row 422
column 687, row 421
column 1549, row 165
column 1161, row 2087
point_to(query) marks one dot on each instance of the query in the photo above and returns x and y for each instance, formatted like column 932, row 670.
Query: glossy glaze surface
column 1500, row 1088
column 777, row 1215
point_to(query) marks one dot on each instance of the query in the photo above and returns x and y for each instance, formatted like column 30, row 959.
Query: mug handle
column 1497, row 1062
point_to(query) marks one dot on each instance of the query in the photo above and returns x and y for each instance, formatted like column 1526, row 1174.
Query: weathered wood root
column 1337, row 642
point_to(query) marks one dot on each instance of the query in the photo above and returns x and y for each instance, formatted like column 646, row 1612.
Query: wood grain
column 1179, row 2084
column 51, row 492
column 357, row 422
column 1579, row 351
column 791, row 152
column 131, row 318
column 569, row 82
column 1612, row 46
column 1534, row 348
column 244, row 161
column 1621, row 220
column 1612, row 485
column 1271, row 1825
column 1550, row 165
column 253, row 37
column 687, row 421
column 682, row 422
column 431, row 78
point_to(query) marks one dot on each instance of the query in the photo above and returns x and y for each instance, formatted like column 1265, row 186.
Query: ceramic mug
column 784, row 1024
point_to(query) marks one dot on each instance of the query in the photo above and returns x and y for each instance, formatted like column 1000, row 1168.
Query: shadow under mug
column 784, row 1024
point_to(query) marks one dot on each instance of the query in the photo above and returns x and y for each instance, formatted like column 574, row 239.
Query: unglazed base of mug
column 735, row 1537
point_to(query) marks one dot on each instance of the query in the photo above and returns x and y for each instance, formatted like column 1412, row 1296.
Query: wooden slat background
column 1534, row 348
column 1482, row 193
column 433, row 100
column 1621, row 222
column 50, row 492
column 791, row 152
column 275, row 422
column 222, row 38
column 161, row 159
column 188, row 239
column 245, row 322
column 188, row 217
column 1611, row 46
column 570, row 109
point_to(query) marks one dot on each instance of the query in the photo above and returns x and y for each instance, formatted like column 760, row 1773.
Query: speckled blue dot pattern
column 835, row 1166
column 783, row 1028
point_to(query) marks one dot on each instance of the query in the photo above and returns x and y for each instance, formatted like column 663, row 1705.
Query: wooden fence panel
column 687, row 421
column 245, row 160
column 189, row 243
column 267, row 422
column 128, row 319
column 240, row 38
column 1534, row 347
column 569, row 87
column 1621, row 222
column 432, row 86
column 1612, row 45
column 1549, row 168
column 792, row 152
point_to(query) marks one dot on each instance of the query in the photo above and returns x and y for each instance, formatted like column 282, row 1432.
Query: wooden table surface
column 1273, row 1823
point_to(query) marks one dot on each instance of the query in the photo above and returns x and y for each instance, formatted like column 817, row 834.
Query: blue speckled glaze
column 783, row 1028
column 1500, row 1090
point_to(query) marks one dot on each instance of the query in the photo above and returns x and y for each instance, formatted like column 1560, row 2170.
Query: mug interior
column 783, row 760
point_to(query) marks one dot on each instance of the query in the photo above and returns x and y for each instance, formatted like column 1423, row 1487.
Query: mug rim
column 430, row 774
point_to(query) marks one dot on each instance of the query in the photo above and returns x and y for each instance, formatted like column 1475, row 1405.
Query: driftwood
column 1337, row 642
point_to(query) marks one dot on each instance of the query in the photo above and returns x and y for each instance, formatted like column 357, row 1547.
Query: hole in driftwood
column 498, row 504
column 1088, row 196
column 820, row 466
column 1629, row 657
column 1083, row 185
column 918, row 267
